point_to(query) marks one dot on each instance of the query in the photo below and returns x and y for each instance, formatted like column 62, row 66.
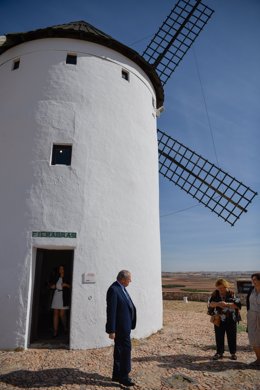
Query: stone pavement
column 177, row 357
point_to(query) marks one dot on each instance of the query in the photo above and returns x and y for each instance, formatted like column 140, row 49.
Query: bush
column 241, row 328
column 172, row 285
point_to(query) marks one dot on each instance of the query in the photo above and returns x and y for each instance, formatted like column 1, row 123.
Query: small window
column 153, row 102
column 125, row 75
column 71, row 59
column 16, row 64
column 61, row 155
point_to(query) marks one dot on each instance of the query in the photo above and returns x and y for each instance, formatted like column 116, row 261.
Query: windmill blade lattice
column 175, row 36
column 204, row 181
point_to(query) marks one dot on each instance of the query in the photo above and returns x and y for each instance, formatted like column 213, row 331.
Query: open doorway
column 47, row 263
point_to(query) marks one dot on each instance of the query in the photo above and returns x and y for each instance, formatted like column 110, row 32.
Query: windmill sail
column 176, row 35
column 204, row 181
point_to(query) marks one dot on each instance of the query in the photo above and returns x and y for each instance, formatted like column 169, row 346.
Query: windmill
column 214, row 188
column 78, row 114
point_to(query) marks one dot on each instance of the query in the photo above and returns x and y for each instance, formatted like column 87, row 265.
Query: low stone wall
column 192, row 296
column 179, row 295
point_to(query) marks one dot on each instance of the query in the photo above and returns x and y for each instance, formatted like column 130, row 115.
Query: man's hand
column 112, row 336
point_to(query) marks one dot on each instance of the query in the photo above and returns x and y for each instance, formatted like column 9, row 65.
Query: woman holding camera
column 224, row 308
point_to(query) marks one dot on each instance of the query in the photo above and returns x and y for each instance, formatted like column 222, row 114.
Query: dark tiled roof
column 85, row 31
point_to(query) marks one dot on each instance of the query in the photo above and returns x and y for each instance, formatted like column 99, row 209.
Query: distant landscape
column 199, row 282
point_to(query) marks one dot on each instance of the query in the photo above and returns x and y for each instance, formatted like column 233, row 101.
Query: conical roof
column 85, row 31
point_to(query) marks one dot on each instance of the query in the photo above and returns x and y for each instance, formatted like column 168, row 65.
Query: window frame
column 16, row 64
column 71, row 56
column 125, row 75
column 58, row 145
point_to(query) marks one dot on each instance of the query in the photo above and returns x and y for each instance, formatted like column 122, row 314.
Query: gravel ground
column 178, row 357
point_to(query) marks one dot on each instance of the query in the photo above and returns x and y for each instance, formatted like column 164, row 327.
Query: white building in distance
column 79, row 181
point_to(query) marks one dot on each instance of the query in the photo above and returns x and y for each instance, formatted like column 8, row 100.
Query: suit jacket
column 121, row 315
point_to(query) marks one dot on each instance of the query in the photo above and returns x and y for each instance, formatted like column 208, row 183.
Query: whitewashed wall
column 109, row 194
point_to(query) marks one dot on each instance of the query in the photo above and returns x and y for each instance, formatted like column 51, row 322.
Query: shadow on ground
column 195, row 363
column 55, row 378
column 240, row 348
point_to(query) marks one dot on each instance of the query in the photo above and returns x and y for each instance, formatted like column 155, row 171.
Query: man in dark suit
column 121, row 318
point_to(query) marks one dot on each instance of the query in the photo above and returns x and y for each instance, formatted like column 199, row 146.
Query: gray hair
column 124, row 274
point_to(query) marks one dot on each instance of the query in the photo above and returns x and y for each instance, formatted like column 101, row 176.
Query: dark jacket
column 66, row 295
column 230, row 298
column 121, row 314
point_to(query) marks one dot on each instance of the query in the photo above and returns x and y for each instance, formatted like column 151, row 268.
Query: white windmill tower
column 79, row 172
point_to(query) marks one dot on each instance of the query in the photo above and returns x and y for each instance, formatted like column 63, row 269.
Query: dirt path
column 178, row 357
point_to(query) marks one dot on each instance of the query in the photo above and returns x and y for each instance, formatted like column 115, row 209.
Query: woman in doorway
column 253, row 317
column 225, row 307
column 60, row 300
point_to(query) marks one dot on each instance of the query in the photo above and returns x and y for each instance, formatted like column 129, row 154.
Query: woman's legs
column 231, row 329
column 220, row 337
column 59, row 314
column 55, row 321
column 63, row 319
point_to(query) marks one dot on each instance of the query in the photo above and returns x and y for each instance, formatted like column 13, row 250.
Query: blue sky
column 224, row 68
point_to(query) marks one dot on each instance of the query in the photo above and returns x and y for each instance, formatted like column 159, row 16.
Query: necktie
column 129, row 301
